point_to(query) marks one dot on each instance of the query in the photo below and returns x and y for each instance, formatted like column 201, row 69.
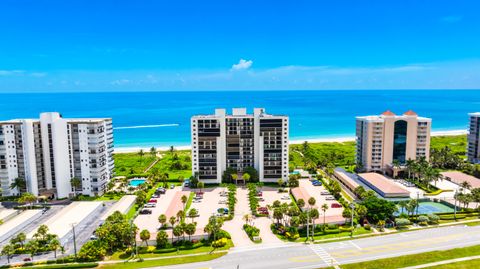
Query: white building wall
column 10, row 160
column 84, row 159
column 30, row 161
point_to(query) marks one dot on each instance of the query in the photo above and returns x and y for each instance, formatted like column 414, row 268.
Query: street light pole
column 455, row 207
column 307, row 224
column 74, row 241
column 352, row 208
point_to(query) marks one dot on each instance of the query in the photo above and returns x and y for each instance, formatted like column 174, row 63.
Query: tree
column 280, row 182
column 200, row 185
column 141, row 153
column 324, row 209
column 403, row 204
column 466, row 185
column 180, row 215
column 190, row 229
column 246, row 177
column 116, row 232
column 234, row 177
column 162, row 219
column 277, row 214
column 214, row 226
column 19, row 184
column 94, row 250
column 252, row 172
column 361, row 212
column 20, row 238
column 301, row 203
column 162, row 239
column 193, row 213
column 311, row 201
column 378, row 209
column 177, row 231
column 32, row 248
column 54, row 245
column 247, row 218
column 153, row 151
column 27, row 198
column 145, row 236
column 172, row 220
column 8, row 251
column 184, row 201
column 396, row 165
column 359, row 192
column 76, row 183
column 42, row 233
column 141, row 197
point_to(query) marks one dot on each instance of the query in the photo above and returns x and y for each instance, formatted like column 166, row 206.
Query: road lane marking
column 355, row 245
column 324, row 255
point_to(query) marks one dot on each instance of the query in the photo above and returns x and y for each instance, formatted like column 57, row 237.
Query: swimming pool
column 134, row 182
column 431, row 207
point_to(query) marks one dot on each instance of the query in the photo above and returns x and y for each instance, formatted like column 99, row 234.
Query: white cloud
column 11, row 72
column 242, row 65
column 120, row 82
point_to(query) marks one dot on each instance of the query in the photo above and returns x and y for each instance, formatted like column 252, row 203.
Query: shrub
column 162, row 239
column 422, row 220
column 223, row 234
column 402, row 223
column 334, row 231
column 367, row 227
column 220, row 243
column 251, row 231
column 433, row 219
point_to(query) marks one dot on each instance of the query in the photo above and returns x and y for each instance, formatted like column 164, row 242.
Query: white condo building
column 48, row 152
column 237, row 141
column 387, row 137
column 473, row 150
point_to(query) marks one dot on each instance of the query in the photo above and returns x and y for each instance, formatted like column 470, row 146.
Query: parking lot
column 333, row 215
column 213, row 198
column 166, row 204
column 271, row 194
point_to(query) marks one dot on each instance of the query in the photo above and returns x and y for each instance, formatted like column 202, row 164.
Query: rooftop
column 383, row 185
column 459, row 177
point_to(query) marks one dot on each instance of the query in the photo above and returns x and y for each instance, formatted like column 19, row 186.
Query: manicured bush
column 402, row 223
column 422, row 220
column 220, row 243
column 251, row 231
column 433, row 219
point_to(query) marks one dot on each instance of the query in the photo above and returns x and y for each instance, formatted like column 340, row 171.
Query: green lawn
column 176, row 164
column 457, row 143
column 164, row 262
column 131, row 163
column 416, row 259
column 459, row 265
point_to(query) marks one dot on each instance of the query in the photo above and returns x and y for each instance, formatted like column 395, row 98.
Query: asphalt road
column 300, row 256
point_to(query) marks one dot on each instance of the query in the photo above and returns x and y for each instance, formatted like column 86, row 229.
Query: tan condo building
column 388, row 137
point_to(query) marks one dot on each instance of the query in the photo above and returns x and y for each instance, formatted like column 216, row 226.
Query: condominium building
column 237, row 141
column 48, row 152
column 473, row 151
column 388, row 137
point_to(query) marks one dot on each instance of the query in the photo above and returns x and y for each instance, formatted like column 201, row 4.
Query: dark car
column 145, row 212
column 335, row 205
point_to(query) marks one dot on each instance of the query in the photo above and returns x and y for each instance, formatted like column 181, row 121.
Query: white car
column 329, row 198
column 285, row 197
column 149, row 205
column 325, row 193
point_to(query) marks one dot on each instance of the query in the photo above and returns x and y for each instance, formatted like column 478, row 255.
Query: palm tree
column 19, row 184
column 396, row 166
column 247, row 218
column 311, row 201
column 193, row 214
column 234, row 177
column 153, row 151
column 246, row 177
column 173, row 220
column 145, row 236
column 403, row 204
column 200, row 185
column 466, row 185
column 190, row 229
column 324, row 209
column 410, row 166
column 177, row 231
column 28, row 198
column 75, row 183
column 54, row 245
column 184, row 201
column 162, row 219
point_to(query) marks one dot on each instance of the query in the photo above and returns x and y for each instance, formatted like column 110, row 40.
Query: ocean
column 162, row 119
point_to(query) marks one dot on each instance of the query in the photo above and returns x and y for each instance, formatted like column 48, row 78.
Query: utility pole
column 418, row 202
column 455, row 208
column 308, row 224
column 74, row 241
column 352, row 208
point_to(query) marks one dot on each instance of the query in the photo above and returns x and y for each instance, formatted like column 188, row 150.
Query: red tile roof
column 410, row 113
column 388, row 113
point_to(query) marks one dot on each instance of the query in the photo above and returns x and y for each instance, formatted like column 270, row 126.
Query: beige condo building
column 381, row 139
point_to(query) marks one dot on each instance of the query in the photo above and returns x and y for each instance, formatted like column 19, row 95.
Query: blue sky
column 238, row 45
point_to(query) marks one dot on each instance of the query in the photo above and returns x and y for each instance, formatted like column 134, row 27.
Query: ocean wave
column 147, row 126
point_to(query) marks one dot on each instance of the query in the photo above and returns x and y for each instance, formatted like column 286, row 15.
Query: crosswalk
column 329, row 260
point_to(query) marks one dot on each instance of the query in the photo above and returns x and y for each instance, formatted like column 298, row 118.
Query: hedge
column 54, row 266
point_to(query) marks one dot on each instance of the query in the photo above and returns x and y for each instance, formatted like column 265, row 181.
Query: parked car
column 285, row 197
column 172, row 186
column 262, row 210
column 152, row 201
column 329, row 198
column 316, row 183
column 325, row 193
column 335, row 205
column 223, row 211
column 222, row 201
column 155, row 195
column 161, row 190
column 186, row 183
column 150, row 205
column 93, row 237
column 259, row 193
column 27, row 259
column 145, row 212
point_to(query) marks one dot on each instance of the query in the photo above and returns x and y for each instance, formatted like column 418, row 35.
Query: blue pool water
column 136, row 181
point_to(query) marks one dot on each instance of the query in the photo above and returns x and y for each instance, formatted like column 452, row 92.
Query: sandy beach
column 292, row 142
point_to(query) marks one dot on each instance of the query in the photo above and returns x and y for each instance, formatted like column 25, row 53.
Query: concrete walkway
column 427, row 265
column 235, row 226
